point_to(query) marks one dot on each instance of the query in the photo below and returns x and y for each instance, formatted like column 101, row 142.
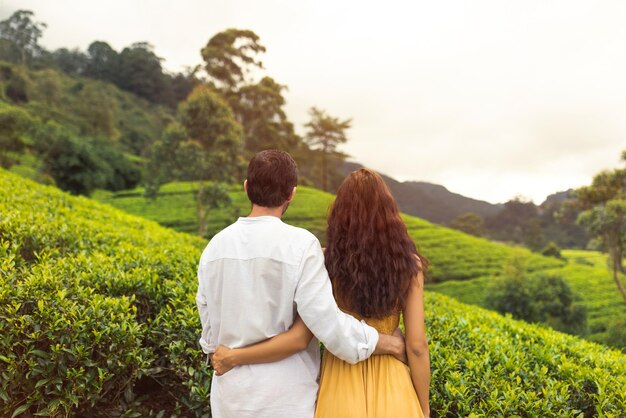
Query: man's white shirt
column 253, row 277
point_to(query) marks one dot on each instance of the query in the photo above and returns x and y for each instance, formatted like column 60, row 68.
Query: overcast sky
column 491, row 99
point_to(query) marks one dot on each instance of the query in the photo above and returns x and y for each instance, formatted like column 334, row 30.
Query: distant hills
column 431, row 201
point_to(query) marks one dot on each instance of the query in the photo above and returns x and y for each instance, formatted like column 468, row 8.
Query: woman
column 376, row 274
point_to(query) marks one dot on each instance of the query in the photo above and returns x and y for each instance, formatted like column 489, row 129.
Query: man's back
column 248, row 277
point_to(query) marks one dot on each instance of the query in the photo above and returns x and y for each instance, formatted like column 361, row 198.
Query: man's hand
column 392, row 344
column 222, row 360
column 402, row 354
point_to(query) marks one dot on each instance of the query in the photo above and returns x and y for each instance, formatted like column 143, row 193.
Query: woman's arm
column 416, row 342
column 281, row 346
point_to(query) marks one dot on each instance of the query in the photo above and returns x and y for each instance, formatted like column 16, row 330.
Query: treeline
column 542, row 228
column 203, row 124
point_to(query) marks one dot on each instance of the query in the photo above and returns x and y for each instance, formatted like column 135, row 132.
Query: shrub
column 540, row 298
column 551, row 250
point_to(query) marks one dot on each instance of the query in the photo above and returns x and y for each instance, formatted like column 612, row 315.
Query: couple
column 264, row 293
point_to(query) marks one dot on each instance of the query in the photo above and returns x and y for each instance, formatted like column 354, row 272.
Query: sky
column 492, row 99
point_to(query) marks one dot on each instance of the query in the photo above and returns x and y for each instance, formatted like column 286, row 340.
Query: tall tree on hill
column 205, row 145
column 103, row 62
column 604, row 216
column 20, row 36
column 259, row 109
column 70, row 61
column 140, row 72
column 231, row 55
column 230, row 59
column 324, row 134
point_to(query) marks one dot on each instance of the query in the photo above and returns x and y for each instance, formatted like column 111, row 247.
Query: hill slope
column 95, row 304
column 453, row 255
column 462, row 266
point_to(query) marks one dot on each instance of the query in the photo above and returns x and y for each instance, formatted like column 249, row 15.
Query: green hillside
column 462, row 266
column 98, row 317
column 453, row 255
column 39, row 107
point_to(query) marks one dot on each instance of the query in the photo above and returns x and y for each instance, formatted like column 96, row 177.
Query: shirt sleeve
column 203, row 310
column 343, row 335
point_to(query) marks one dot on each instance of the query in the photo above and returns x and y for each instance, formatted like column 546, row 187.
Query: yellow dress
column 379, row 387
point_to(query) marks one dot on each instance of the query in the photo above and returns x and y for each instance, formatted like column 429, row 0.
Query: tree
column 140, row 72
column 324, row 134
column 230, row 55
column 470, row 223
column 259, row 109
column 533, row 234
column 206, row 145
column 70, row 161
column 604, row 216
column 512, row 222
column 103, row 62
column 70, row 61
column 23, row 34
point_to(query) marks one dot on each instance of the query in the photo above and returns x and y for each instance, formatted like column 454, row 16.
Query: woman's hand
column 223, row 359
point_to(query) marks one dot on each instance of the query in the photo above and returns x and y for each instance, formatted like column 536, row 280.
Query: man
column 253, row 278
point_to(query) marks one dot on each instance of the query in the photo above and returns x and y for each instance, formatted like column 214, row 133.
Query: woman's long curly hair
column 369, row 255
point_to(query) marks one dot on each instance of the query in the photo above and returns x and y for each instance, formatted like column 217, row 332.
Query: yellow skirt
column 379, row 387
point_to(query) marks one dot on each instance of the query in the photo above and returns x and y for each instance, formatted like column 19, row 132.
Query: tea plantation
column 98, row 318
column 462, row 266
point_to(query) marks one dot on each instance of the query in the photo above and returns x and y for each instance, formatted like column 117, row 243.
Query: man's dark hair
column 272, row 175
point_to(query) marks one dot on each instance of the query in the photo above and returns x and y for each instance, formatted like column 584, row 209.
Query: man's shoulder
column 300, row 233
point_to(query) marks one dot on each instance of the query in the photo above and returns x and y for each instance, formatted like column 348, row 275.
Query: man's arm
column 203, row 310
column 343, row 335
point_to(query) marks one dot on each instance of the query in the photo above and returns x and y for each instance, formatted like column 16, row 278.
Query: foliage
column 551, row 250
column 99, row 319
column 470, row 223
column 324, row 134
column 259, row 109
column 96, row 303
column 206, row 145
column 486, row 365
column 17, row 83
column 80, row 165
column 84, row 108
column 97, row 111
column 139, row 72
column 605, row 216
column 230, row 55
column 93, row 302
column 22, row 35
column 210, row 122
column 14, row 123
column 538, row 298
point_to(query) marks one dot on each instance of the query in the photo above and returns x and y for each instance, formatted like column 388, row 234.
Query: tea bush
column 98, row 318
column 95, row 305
